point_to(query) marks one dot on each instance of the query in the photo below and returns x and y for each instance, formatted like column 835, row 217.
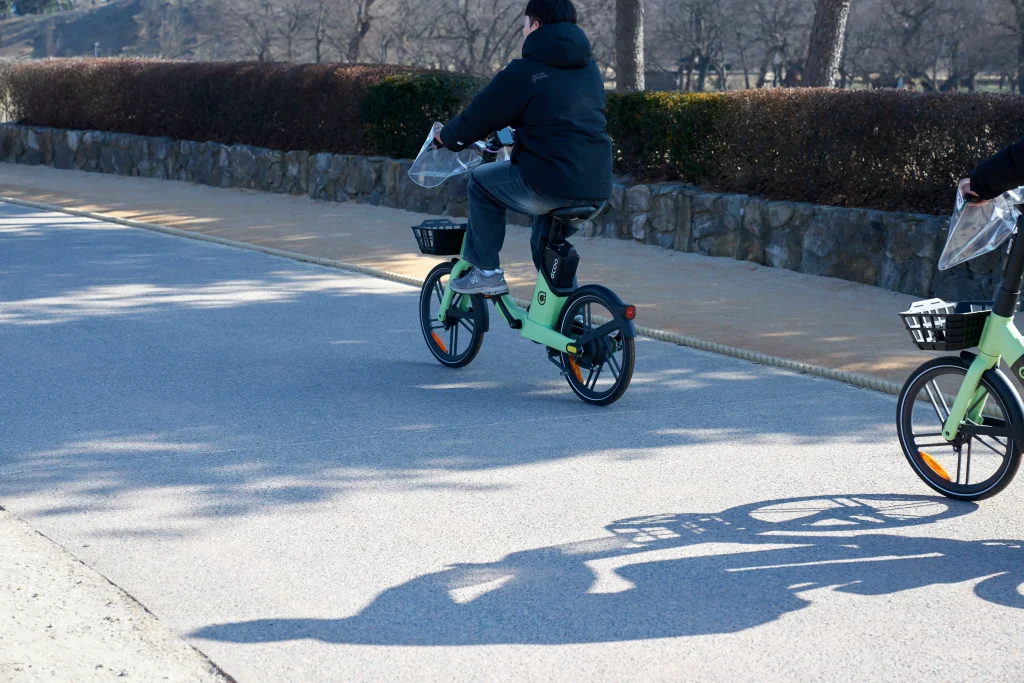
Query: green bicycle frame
column 999, row 340
column 537, row 324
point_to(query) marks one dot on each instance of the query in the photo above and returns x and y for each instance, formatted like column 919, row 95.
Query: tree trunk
column 826, row 43
column 743, row 60
column 703, row 63
column 629, row 45
column 762, row 74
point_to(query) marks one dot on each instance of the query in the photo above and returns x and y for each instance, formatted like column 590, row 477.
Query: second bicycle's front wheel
column 972, row 466
column 456, row 341
column 601, row 374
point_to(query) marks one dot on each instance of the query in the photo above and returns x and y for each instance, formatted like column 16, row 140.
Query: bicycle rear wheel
column 601, row 374
column 972, row 466
column 456, row 341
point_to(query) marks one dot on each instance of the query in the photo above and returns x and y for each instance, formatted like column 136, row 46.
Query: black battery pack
column 560, row 263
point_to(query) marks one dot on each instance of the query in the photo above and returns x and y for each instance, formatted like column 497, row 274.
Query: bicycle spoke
column 455, row 340
column 986, row 445
column 594, row 373
column 942, row 398
column 465, row 323
column 926, row 435
column 935, row 405
column 616, row 368
column 958, row 458
column 439, row 290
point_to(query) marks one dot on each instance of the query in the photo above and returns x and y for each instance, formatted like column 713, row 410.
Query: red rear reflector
column 630, row 312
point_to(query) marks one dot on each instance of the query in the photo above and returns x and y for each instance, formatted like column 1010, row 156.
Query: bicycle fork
column 1000, row 339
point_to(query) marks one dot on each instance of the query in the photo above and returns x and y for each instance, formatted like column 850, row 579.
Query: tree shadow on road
column 672, row 575
column 149, row 363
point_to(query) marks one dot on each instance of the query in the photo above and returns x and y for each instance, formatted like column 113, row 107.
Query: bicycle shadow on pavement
column 671, row 575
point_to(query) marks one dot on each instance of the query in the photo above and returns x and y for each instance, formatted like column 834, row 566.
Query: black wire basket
column 439, row 237
column 936, row 325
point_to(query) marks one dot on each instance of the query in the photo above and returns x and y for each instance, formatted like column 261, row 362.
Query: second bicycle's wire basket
column 936, row 325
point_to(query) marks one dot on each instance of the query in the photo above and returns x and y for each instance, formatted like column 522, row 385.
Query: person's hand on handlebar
column 965, row 191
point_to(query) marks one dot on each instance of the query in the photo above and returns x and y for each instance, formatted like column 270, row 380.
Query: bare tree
column 319, row 27
column 479, row 36
column 690, row 33
column 825, row 47
column 914, row 43
column 629, row 45
column 1012, row 14
column 254, row 22
column 349, row 28
column 292, row 20
column 404, row 35
column 778, row 31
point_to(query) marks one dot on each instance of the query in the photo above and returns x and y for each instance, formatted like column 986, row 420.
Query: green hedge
column 883, row 149
column 399, row 110
column 664, row 135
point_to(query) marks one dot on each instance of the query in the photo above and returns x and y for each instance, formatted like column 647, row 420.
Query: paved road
column 264, row 454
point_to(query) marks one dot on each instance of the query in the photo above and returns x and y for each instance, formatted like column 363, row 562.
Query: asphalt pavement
column 265, row 455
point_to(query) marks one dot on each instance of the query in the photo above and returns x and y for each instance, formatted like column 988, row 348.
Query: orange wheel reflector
column 934, row 464
column 575, row 369
column 437, row 340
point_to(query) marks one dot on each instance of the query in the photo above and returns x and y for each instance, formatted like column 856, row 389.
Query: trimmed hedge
column 314, row 107
column 398, row 110
column 664, row 135
column 883, row 149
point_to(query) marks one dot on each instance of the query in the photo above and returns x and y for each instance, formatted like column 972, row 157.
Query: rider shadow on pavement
column 671, row 575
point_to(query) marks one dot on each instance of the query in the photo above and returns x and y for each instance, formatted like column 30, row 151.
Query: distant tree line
column 696, row 45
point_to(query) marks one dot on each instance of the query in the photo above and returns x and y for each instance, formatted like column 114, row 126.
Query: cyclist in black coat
column 1002, row 171
column 554, row 98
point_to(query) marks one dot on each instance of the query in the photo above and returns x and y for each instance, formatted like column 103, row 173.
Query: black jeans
column 495, row 188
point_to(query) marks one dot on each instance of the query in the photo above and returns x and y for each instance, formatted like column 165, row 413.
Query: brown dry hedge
column 883, row 149
column 311, row 107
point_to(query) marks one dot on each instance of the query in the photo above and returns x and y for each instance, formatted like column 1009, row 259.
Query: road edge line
column 853, row 378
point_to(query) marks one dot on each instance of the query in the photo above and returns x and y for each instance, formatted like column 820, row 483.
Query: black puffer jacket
column 554, row 98
column 1002, row 171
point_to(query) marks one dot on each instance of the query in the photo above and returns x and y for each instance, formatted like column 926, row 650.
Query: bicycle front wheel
column 971, row 467
column 456, row 341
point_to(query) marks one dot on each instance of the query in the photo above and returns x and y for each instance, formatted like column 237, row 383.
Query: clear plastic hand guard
column 977, row 229
column 435, row 165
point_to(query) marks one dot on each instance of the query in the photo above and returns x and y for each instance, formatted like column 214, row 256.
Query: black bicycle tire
column 426, row 294
column 628, row 353
column 904, row 411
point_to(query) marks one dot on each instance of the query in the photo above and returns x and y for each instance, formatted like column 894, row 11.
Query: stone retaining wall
column 895, row 251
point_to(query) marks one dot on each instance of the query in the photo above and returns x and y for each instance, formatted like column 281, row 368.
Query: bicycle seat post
column 555, row 231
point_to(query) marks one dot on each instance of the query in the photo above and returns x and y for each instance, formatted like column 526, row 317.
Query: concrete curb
column 853, row 378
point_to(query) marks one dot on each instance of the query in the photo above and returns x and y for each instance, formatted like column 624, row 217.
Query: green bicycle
column 588, row 331
column 960, row 420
